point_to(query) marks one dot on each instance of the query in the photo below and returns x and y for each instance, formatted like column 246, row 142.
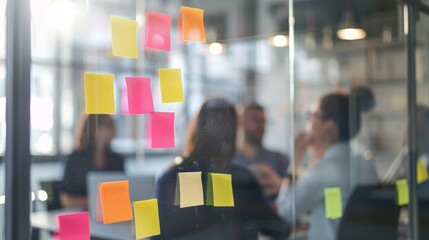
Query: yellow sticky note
column 402, row 194
column 124, row 37
column 190, row 189
column 209, row 190
column 222, row 195
column 171, row 85
column 99, row 93
column 146, row 218
column 333, row 203
column 422, row 172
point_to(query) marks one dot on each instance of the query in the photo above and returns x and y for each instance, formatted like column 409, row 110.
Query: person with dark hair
column 212, row 141
column 333, row 121
column 92, row 153
column 252, row 154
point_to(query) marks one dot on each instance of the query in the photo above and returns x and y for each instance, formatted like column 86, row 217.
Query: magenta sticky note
column 74, row 226
column 139, row 95
column 161, row 130
column 157, row 31
column 124, row 101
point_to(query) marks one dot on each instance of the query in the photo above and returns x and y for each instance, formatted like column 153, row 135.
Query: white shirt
column 332, row 170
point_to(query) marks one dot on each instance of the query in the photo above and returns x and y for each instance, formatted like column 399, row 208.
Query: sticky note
column 191, row 24
column 422, row 172
column 171, row 85
column 115, row 202
column 74, row 226
column 147, row 218
column 157, row 32
column 99, row 93
column 160, row 130
column 219, row 190
column 139, row 95
column 124, row 37
column 189, row 191
column 333, row 203
column 402, row 194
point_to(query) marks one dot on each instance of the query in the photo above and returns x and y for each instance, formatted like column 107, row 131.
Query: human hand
column 269, row 180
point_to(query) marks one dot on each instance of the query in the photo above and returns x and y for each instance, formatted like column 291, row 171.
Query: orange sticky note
column 74, row 226
column 191, row 25
column 124, row 37
column 171, row 85
column 146, row 218
column 99, row 93
column 115, row 202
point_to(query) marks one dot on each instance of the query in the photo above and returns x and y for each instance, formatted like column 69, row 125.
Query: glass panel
column 422, row 135
column 2, row 113
column 350, row 93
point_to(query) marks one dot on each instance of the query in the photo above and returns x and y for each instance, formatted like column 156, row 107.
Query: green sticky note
column 333, row 203
column 99, row 93
column 209, row 190
column 402, row 194
column 422, row 172
column 124, row 37
column 223, row 195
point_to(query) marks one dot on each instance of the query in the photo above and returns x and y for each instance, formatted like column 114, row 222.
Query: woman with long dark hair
column 213, row 141
column 92, row 153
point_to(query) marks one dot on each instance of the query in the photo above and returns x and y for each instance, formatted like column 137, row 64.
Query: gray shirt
column 332, row 170
column 275, row 160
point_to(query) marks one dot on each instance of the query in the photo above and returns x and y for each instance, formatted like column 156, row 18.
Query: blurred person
column 333, row 121
column 252, row 151
column 92, row 153
column 210, row 148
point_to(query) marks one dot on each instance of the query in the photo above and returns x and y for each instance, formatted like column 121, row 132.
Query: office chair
column 371, row 214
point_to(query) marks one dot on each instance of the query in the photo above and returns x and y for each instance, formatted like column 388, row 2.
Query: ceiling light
column 279, row 41
column 349, row 29
column 215, row 48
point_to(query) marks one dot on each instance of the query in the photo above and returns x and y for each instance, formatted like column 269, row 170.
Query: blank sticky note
column 171, row 85
column 74, row 226
column 157, row 32
column 402, row 194
column 222, row 193
column 115, row 202
column 160, row 130
column 139, row 95
column 124, row 37
column 333, row 203
column 190, row 189
column 191, row 24
column 147, row 218
column 422, row 172
column 99, row 93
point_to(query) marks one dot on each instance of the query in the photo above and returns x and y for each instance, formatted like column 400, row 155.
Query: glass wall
column 2, row 112
column 327, row 116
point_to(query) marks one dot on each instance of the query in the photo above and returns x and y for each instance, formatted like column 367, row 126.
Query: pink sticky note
column 124, row 101
column 157, row 31
column 74, row 226
column 139, row 95
column 161, row 131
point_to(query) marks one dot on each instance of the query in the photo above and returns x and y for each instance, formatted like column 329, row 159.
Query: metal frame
column 17, row 157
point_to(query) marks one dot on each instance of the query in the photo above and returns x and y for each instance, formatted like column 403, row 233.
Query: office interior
column 282, row 54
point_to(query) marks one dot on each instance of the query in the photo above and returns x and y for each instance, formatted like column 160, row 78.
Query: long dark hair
column 345, row 110
column 87, row 129
column 215, row 134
